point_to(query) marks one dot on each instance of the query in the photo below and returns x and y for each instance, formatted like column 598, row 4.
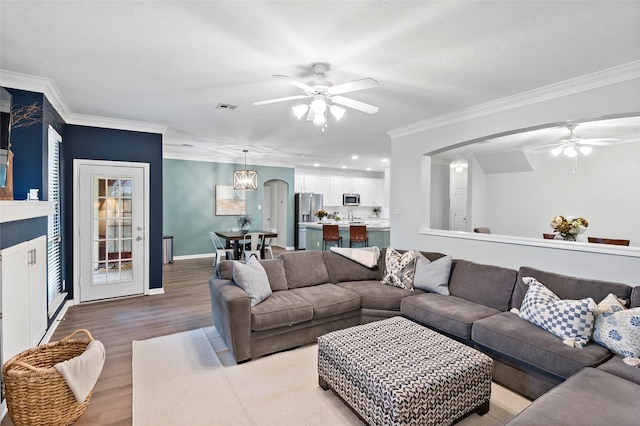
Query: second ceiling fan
column 326, row 97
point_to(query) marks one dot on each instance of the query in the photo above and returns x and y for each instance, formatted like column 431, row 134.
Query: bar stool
column 331, row 233
column 358, row 234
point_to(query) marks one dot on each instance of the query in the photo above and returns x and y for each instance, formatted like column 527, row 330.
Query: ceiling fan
column 326, row 97
column 571, row 144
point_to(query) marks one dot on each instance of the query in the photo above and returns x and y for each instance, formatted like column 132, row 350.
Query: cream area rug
column 191, row 379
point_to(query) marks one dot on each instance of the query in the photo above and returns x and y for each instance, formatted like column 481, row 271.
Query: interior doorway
column 276, row 206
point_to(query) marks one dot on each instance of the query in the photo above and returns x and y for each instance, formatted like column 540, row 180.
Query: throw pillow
column 432, row 276
column 399, row 269
column 252, row 278
column 617, row 328
column 571, row 320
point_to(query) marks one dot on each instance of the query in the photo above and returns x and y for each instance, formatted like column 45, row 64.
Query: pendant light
column 245, row 180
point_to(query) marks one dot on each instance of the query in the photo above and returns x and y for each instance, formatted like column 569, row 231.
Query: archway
column 276, row 206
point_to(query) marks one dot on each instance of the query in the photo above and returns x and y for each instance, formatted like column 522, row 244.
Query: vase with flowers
column 568, row 227
column 244, row 222
column 320, row 214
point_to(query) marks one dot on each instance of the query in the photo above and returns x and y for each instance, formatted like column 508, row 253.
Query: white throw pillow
column 617, row 328
column 432, row 276
column 399, row 269
column 252, row 278
column 571, row 320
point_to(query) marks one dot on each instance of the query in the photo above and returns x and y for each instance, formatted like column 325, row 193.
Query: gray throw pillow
column 432, row 276
column 252, row 278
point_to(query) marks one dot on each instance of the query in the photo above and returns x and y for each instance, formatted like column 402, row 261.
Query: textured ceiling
column 172, row 62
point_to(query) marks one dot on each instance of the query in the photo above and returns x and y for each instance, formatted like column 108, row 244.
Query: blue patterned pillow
column 617, row 328
column 399, row 269
column 571, row 320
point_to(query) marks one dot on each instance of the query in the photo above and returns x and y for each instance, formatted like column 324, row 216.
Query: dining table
column 233, row 238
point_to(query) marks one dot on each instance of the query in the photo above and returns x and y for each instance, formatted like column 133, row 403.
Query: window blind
column 54, row 282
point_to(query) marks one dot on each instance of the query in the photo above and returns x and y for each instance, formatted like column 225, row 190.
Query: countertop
column 372, row 224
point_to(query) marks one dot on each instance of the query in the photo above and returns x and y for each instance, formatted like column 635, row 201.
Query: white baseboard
column 155, row 291
column 193, row 256
column 56, row 321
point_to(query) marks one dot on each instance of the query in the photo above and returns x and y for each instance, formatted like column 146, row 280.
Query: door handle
column 138, row 238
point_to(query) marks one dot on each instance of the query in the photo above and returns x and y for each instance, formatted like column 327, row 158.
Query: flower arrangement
column 320, row 214
column 244, row 221
column 569, row 227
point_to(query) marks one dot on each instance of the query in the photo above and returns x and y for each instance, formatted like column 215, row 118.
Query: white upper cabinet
column 313, row 183
column 332, row 188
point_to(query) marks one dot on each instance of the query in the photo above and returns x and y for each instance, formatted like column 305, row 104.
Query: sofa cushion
column 273, row 267
column 343, row 269
column 518, row 339
column 488, row 285
column 616, row 366
column 450, row 314
column 378, row 296
column 281, row 309
column 591, row 397
column 635, row 298
column 305, row 268
column 433, row 276
column 567, row 287
column 617, row 328
column 252, row 278
column 399, row 269
column 329, row 299
column 570, row 320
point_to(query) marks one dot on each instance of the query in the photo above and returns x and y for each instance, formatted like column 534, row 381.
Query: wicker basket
column 36, row 393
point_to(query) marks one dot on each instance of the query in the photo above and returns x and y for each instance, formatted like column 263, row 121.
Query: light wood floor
column 116, row 323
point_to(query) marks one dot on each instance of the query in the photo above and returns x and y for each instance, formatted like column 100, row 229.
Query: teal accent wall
column 189, row 201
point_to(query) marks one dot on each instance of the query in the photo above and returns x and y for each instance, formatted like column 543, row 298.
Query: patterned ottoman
column 397, row 372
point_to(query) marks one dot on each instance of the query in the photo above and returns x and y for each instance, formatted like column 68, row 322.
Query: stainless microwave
column 350, row 199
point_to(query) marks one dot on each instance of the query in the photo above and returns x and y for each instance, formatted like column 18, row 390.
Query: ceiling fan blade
column 310, row 115
column 594, row 142
column 352, row 86
column 303, row 86
column 288, row 98
column 352, row 103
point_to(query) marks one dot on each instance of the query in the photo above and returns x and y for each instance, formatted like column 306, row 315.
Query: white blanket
column 81, row 373
column 367, row 256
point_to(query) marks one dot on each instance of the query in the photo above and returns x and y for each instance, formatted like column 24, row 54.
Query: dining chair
column 331, row 233
column 219, row 247
column 549, row 236
column 358, row 234
column 482, row 230
column 252, row 244
column 614, row 241
column 267, row 244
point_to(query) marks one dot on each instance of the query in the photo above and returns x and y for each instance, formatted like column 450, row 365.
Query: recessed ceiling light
column 344, row 167
column 368, row 169
column 354, row 157
column 316, row 164
column 385, row 160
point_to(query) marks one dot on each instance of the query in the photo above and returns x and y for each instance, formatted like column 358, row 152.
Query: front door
column 110, row 229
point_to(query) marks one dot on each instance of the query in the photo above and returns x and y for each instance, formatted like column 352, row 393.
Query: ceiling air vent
column 226, row 106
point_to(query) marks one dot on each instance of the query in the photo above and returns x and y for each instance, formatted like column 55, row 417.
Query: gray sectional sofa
column 315, row 292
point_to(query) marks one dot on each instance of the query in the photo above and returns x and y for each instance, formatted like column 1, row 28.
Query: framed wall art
column 229, row 202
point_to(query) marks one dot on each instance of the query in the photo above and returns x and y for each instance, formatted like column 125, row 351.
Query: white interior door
column 111, row 248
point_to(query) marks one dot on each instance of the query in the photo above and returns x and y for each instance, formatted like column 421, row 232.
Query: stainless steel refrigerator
column 306, row 206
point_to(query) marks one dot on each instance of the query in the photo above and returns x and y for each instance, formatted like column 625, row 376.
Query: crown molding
column 115, row 123
column 595, row 80
column 49, row 88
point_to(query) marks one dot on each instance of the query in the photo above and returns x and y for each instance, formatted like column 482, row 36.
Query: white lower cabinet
column 23, row 278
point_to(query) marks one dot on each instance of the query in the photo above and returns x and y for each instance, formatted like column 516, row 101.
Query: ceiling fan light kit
column 323, row 92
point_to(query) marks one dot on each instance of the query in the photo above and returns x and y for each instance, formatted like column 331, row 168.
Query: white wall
column 409, row 145
column 605, row 190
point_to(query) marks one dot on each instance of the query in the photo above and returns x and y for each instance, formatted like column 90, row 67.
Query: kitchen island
column 378, row 232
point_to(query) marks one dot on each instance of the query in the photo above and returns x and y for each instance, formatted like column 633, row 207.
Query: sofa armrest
column 231, row 309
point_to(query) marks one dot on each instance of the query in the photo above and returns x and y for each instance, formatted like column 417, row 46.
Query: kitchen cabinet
column 23, row 279
column 312, row 183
